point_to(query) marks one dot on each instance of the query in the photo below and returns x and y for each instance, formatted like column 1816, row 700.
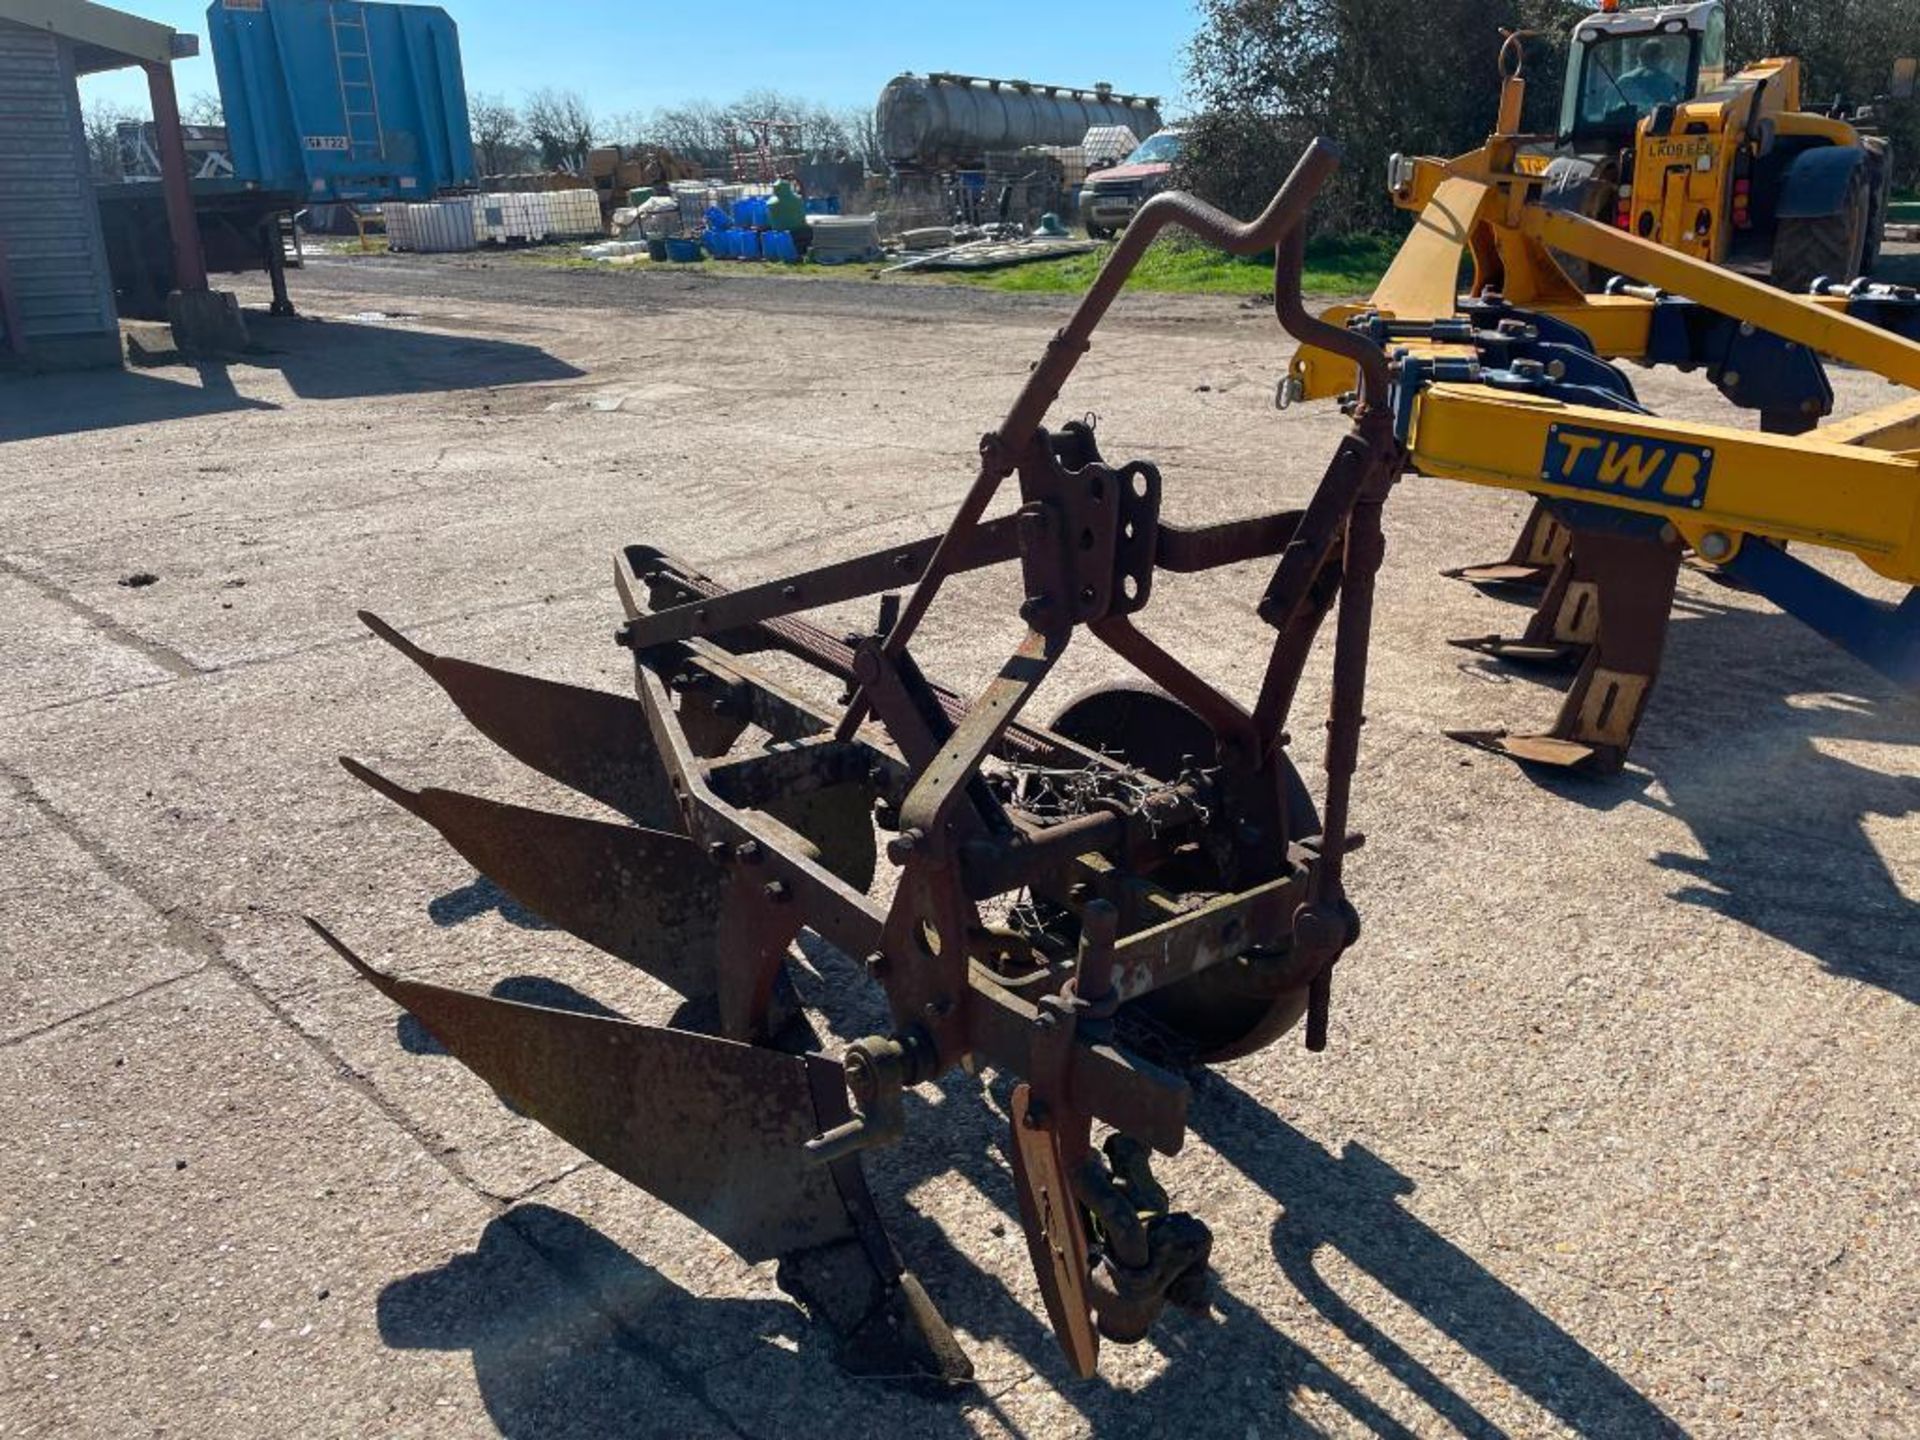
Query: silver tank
column 944, row 122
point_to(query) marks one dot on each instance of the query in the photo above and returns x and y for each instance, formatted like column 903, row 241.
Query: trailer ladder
column 359, row 99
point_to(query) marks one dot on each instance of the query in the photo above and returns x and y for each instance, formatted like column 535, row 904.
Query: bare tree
column 862, row 128
column 818, row 130
column 560, row 123
column 100, row 122
column 495, row 127
column 694, row 131
column 623, row 127
column 204, row 108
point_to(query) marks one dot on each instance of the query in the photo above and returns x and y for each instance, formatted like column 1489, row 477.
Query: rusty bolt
column 876, row 964
column 938, row 1007
column 1035, row 606
column 719, row 852
column 777, row 891
column 748, row 850
column 905, row 561
column 790, row 592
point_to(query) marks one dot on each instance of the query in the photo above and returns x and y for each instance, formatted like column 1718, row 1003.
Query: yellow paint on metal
column 1891, row 427
column 1837, row 132
column 1797, row 488
column 1824, row 328
column 1424, row 278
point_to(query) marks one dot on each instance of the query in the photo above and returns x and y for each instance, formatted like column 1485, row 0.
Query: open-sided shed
column 56, row 292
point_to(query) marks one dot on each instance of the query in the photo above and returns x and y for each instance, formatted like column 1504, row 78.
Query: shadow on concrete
column 319, row 359
column 341, row 359
column 1899, row 266
column 571, row 1336
column 1350, row 1204
column 1738, row 746
column 480, row 896
column 34, row 406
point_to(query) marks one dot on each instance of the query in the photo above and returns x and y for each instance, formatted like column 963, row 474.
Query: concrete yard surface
column 1617, row 1131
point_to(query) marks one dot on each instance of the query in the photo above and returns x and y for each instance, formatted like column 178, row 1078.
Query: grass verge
column 1343, row 265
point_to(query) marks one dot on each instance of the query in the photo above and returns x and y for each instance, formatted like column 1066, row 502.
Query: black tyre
column 1834, row 246
column 1880, row 194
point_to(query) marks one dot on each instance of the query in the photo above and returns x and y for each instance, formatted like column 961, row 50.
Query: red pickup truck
column 1110, row 197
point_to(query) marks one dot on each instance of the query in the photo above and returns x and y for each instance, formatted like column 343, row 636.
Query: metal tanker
column 945, row 122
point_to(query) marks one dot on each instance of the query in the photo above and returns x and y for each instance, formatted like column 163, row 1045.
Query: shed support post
column 205, row 322
column 189, row 263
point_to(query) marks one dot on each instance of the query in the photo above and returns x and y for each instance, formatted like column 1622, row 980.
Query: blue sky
column 636, row 56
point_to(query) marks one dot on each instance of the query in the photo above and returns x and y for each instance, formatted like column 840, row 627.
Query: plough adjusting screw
column 879, row 1070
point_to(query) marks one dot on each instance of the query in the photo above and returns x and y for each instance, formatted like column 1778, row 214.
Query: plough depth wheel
column 1226, row 1010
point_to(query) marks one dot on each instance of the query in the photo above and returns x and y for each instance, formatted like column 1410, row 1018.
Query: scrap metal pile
column 1145, row 876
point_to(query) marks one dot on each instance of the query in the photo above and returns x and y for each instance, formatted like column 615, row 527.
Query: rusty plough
column 1143, row 883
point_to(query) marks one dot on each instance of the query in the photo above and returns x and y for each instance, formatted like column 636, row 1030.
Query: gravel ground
column 1616, row 1135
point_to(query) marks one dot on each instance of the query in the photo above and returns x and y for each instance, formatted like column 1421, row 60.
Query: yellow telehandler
column 1655, row 137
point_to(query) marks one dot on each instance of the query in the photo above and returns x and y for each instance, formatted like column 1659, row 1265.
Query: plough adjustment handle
column 879, row 1069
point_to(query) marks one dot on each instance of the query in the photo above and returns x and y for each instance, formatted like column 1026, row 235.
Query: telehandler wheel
column 1230, row 1009
column 1831, row 245
column 1880, row 193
